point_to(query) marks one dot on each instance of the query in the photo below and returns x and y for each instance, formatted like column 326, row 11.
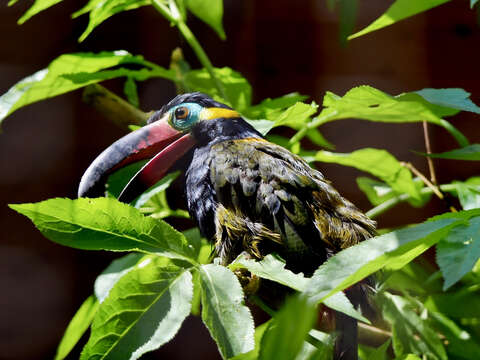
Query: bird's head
column 187, row 121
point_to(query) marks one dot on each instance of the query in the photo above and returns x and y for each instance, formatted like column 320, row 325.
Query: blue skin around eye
column 193, row 114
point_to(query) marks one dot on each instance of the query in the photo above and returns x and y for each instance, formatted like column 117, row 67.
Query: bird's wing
column 266, row 192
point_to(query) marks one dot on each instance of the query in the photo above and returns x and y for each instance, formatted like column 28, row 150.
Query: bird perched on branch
column 246, row 194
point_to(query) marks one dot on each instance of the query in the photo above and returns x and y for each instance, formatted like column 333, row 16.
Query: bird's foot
column 250, row 282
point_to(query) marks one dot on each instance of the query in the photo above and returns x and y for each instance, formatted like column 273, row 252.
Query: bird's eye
column 181, row 113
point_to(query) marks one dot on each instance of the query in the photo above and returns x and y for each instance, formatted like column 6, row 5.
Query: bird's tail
column 346, row 343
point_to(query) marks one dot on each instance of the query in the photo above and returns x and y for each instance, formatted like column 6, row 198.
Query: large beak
column 158, row 141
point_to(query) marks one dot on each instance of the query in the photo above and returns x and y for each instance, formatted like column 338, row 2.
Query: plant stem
column 387, row 205
column 316, row 122
column 113, row 107
column 201, row 55
column 191, row 39
column 461, row 139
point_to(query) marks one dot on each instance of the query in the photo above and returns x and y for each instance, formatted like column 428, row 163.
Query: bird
column 247, row 195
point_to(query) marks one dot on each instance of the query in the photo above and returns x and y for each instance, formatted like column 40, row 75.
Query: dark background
column 280, row 46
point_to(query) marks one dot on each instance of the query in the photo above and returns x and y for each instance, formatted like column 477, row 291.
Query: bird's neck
column 214, row 131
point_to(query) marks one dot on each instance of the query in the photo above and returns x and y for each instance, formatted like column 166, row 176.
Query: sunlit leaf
column 400, row 9
column 227, row 318
column 209, row 11
column 159, row 187
column 118, row 268
column 38, row 6
column 104, row 224
column 390, row 251
column 72, row 71
column 143, row 311
column 366, row 102
column 130, row 91
column 237, row 88
column 271, row 109
column 459, row 251
column 282, row 340
column 253, row 354
column 381, row 352
column 273, row 268
column 469, row 193
column 101, row 10
column 296, row 115
column 78, row 326
column 379, row 163
column 378, row 192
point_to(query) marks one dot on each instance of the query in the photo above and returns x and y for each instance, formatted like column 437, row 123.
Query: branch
column 113, row 107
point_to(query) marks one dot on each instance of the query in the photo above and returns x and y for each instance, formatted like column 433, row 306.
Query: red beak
column 158, row 141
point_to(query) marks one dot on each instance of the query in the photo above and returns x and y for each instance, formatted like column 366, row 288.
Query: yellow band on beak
column 217, row 113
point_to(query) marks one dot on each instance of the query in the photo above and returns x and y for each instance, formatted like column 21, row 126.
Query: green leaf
column 348, row 15
column 389, row 251
column 401, row 9
column 411, row 334
column 262, row 126
column 470, row 152
column 237, row 88
column 468, row 193
column 271, row 109
column 273, row 268
column 144, row 310
column 130, row 91
column 223, row 311
column 452, row 98
column 104, row 224
column 110, row 276
column 408, row 357
column 296, row 115
column 101, row 10
column 253, row 354
column 210, row 12
column 461, row 344
column 379, row 163
column 38, row 6
column 77, row 327
column 366, row 102
column 378, row 192
column 159, row 187
column 72, row 71
column 120, row 178
column 459, row 251
column 282, row 340
column 472, row 3
column 381, row 352
column 460, row 304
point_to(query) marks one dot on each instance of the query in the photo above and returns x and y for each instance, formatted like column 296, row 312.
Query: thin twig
column 427, row 182
column 431, row 168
